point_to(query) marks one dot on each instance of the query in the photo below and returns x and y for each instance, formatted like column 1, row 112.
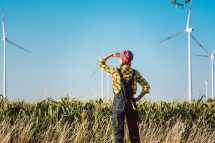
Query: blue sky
column 63, row 35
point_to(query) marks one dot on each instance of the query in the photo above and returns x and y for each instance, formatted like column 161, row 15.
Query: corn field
column 74, row 121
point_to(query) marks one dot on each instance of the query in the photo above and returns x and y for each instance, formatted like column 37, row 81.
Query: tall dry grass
column 25, row 132
column 72, row 121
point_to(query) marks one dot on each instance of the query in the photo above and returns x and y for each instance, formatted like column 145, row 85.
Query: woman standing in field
column 125, row 81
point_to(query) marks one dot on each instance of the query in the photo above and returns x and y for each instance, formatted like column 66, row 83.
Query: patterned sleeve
column 103, row 66
column 143, row 83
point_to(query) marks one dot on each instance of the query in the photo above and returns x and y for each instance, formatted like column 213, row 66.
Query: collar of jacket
column 125, row 67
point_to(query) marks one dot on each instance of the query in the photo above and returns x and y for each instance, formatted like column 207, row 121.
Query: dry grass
column 24, row 131
column 70, row 121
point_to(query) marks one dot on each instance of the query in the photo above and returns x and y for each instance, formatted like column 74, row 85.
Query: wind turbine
column 102, row 75
column 5, row 40
column 108, row 84
column 102, row 84
column 187, row 30
column 102, row 78
column 211, row 57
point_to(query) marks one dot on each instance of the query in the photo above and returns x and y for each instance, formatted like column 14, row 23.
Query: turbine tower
column 102, row 84
column 206, row 88
column 5, row 40
column 187, row 30
column 108, row 84
column 211, row 57
column 4, row 89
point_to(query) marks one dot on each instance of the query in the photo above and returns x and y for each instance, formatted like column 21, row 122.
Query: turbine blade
column 3, row 27
column 172, row 36
column 189, row 14
column 213, row 53
column 94, row 72
column 18, row 46
column 98, row 52
column 200, row 45
column 205, row 56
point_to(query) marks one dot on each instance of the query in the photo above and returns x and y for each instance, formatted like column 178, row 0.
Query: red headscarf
column 126, row 57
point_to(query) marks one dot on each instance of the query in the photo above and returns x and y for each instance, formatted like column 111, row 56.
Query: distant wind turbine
column 102, row 82
column 211, row 57
column 5, row 40
column 102, row 78
column 187, row 30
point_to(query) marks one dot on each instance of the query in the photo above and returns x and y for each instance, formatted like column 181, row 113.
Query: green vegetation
column 71, row 120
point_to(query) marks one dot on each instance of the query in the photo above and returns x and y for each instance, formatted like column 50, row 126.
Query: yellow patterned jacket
column 127, row 73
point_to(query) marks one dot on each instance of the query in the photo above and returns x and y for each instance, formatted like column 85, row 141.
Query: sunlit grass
column 74, row 121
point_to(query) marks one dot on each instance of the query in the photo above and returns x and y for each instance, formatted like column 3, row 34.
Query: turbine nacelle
column 189, row 30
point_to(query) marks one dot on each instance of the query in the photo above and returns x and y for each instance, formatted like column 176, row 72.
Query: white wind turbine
column 211, row 57
column 188, row 30
column 102, row 84
column 5, row 40
column 102, row 78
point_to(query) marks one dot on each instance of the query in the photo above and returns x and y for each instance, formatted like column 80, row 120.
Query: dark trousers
column 118, row 120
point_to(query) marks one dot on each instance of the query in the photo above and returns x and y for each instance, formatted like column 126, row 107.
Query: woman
column 124, row 80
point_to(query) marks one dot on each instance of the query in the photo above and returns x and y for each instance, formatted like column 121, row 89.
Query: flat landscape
column 64, row 62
